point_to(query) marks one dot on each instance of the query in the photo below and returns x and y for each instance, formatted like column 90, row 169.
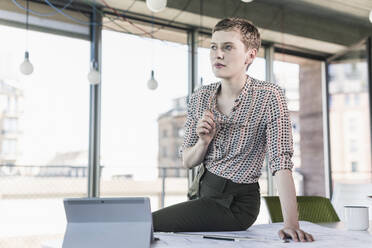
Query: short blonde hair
column 250, row 35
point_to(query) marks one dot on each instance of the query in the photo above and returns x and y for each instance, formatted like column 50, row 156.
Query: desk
column 326, row 236
column 340, row 225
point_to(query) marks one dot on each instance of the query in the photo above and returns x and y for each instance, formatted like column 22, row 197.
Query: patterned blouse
column 258, row 121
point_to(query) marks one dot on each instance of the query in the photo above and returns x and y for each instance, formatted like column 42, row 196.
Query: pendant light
column 94, row 76
column 26, row 67
column 156, row 5
column 152, row 84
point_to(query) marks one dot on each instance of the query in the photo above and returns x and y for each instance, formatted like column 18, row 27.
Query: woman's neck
column 231, row 87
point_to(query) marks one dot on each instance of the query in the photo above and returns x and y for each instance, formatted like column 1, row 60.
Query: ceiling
column 312, row 25
column 355, row 8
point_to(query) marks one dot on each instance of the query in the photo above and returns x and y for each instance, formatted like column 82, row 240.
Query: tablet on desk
column 108, row 222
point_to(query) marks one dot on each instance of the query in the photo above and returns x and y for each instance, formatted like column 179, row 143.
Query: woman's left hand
column 296, row 234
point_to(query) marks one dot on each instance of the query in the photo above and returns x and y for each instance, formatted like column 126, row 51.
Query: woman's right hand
column 206, row 127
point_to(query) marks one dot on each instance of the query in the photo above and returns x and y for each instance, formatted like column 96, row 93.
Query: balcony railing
column 44, row 171
column 35, row 177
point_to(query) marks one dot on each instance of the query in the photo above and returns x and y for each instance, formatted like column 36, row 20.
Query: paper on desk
column 266, row 235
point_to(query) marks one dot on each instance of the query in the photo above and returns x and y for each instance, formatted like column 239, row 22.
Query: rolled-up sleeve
column 279, row 133
column 190, row 137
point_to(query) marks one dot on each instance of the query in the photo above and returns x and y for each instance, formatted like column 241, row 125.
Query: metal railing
column 163, row 175
column 68, row 171
column 43, row 171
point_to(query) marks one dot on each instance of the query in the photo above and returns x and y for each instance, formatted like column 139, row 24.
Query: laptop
column 108, row 222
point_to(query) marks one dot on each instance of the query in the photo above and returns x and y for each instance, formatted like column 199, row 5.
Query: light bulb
column 247, row 1
column 26, row 67
column 152, row 84
column 94, row 76
column 156, row 5
column 370, row 16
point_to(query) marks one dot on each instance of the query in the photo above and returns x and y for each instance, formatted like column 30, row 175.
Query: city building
column 171, row 125
column 10, row 113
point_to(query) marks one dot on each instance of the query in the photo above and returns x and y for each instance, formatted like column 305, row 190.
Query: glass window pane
column 140, row 136
column 287, row 76
column 349, row 118
column 43, row 134
column 300, row 78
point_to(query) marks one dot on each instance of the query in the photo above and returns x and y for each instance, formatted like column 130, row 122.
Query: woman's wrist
column 203, row 143
column 291, row 225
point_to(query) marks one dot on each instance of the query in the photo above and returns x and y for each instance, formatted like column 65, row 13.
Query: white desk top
column 340, row 225
column 264, row 235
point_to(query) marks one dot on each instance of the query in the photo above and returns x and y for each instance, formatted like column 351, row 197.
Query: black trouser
column 223, row 206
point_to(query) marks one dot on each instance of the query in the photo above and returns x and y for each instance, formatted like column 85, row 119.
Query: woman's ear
column 251, row 55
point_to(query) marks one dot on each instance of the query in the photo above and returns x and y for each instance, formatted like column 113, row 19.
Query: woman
column 229, row 127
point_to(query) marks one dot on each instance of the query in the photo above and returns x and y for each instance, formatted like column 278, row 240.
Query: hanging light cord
column 125, row 19
column 28, row 3
column 68, row 16
column 152, row 50
column 38, row 13
column 27, row 17
column 154, row 30
column 60, row 11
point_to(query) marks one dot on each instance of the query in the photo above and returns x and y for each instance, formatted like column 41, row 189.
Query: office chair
column 315, row 209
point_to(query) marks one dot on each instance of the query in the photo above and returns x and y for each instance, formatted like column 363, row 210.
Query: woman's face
column 228, row 55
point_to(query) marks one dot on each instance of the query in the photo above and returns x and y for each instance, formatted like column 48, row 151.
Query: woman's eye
column 228, row 47
column 213, row 47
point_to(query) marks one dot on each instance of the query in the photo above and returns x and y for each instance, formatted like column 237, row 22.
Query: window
column 349, row 127
column 295, row 75
column 354, row 166
column 357, row 99
column 353, row 145
column 347, row 99
column 180, row 132
column 9, row 147
column 164, row 151
column 3, row 100
column 10, row 125
column 352, row 125
column 136, row 140
column 177, row 152
column 287, row 77
column 50, row 109
column 165, row 133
